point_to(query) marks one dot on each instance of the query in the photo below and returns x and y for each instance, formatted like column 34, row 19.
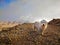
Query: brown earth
column 55, row 22
column 24, row 34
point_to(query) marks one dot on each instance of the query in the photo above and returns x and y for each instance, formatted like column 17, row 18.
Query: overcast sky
column 29, row 10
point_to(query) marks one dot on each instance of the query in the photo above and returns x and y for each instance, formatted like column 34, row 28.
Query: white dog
column 40, row 26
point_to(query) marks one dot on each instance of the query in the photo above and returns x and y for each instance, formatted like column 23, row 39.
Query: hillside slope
column 24, row 34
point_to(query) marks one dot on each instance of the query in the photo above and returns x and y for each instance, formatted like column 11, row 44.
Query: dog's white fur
column 40, row 26
column 45, row 27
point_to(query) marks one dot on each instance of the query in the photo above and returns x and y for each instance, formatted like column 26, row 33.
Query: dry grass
column 24, row 34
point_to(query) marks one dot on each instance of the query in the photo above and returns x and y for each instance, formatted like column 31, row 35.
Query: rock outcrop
column 55, row 22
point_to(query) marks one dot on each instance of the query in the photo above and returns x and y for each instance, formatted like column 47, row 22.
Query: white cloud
column 32, row 9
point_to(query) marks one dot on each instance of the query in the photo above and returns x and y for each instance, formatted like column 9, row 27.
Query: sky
column 29, row 10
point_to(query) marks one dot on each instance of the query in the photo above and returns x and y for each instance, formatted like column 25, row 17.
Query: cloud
column 31, row 9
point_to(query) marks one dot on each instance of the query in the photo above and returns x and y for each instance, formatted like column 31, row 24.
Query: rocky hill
column 24, row 34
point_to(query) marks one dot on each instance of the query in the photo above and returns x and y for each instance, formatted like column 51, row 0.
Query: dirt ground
column 25, row 34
